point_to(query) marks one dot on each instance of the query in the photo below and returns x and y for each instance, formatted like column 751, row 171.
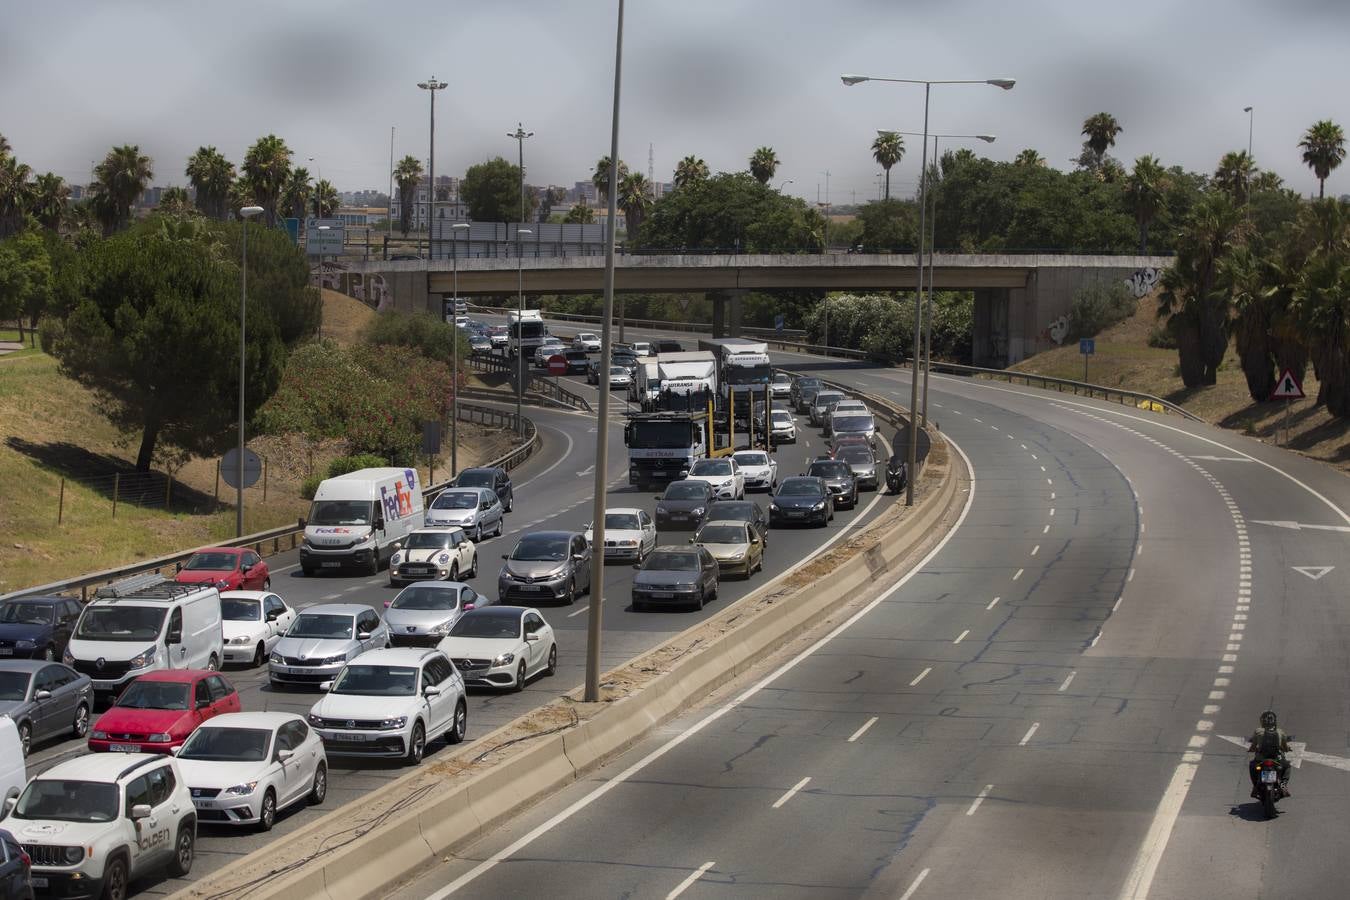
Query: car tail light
column 25, row 858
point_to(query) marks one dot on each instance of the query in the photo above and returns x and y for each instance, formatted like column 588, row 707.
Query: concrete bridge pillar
column 726, row 313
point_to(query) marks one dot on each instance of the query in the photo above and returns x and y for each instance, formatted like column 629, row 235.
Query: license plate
column 205, row 804
column 38, row 881
column 1268, row 776
column 331, row 565
column 531, row 587
column 663, row 595
column 796, row 513
column 344, row 736
column 125, row 748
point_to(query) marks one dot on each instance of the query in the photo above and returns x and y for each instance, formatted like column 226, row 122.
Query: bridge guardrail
column 549, row 390
column 278, row 540
column 765, row 334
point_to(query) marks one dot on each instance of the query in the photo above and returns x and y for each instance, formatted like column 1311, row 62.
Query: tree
column 550, row 197
column 1101, row 130
column 50, row 203
column 1320, row 298
column 120, row 180
column 407, row 174
column 1144, row 194
column 26, row 279
column 1029, row 157
column 763, row 163
column 1323, row 150
column 600, row 177
column 580, row 214
column 16, row 194
column 1234, row 175
column 326, row 199
column 732, row 210
column 211, row 175
column 175, row 201
column 689, row 170
column 1266, row 181
column 1251, row 282
column 889, row 226
column 491, row 190
column 888, row 149
column 635, row 200
column 266, row 167
column 295, row 194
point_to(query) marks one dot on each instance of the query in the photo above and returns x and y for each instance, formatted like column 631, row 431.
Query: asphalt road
column 553, row 490
column 1043, row 710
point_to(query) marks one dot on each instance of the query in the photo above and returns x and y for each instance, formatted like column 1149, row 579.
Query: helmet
column 1268, row 719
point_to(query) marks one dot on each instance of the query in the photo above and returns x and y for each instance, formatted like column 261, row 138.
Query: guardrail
column 542, row 387
column 278, row 540
column 656, row 324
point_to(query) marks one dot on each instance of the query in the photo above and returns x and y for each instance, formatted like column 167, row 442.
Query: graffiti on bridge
column 371, row 290
column 1143, row 280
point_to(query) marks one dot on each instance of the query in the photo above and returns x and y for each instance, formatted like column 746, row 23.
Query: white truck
column 645, row 386
column 688, row 381
column 743, row 366
column 525, row 331
column 663, row 446
column 356, row 519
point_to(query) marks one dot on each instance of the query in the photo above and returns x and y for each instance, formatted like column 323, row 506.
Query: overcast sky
column 715, row 78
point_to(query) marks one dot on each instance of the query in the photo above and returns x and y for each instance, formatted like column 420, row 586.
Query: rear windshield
column 671, row 561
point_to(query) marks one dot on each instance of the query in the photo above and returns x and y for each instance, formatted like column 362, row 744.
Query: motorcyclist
column 897, row 473
column 1269, row 742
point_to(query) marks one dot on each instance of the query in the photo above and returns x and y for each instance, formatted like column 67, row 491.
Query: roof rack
column 147, row 587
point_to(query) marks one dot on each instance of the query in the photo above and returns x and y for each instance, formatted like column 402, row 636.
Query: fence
column 542, row 388
column 150, row 490
column 764, row 334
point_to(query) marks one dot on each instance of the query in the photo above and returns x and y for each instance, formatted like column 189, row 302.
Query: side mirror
column 245, row 569
column 10, row 803
column 386, row 604
column 637, row 567
column 140, row 811
column 273, row 615
column 173, row 637
column 468, row 606
column 363, row 635
column 43, row 695
column 283, row 755
column 532, row 637
column 178, row 566
column 505, row 556
column 326, row 686
column 301, row 522
column 693, row 541
column 431, row 690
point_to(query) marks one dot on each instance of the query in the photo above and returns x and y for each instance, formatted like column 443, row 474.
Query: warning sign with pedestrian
column 1288, row 387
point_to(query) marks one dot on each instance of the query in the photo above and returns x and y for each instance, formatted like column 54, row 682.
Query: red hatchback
column 157, row 712
column 228, row 568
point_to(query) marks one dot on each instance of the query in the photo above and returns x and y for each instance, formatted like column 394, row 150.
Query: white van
column 143, row 624
column 13, row 772
column 356, row 519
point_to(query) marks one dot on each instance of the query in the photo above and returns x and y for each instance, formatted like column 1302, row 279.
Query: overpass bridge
column 1022, row 301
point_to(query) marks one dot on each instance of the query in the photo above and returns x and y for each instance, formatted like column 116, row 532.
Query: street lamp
column 520, row 327
column 248, row 212
column 850, row 80
column 785, row 184
column 454, row 396
column 431, row 85
column 1251, row 116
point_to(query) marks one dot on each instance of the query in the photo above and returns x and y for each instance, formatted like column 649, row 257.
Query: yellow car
column 737, row 548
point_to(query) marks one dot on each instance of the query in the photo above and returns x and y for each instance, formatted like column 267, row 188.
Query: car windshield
column 857, row 456
column 212, row 562
column 830, row 469
column 488, row 625
column 430, row 540
column 807, row 381
column 622, row 521
column 686, row 490
column 20, row 613
column 67, row 801
column 14, row 686
column 474, row 478
column 120, row 623
column 321, row 625
column 339, row 512
column 154, row 695
column 711, row 467
column 541, row 548
column 424, row 596
column 751, row 458
column 722, row 534
column 781, row 415
column 799, row 487
column 227, row 744
column 587, row 336
column 851, row 423
column 672, row 561
column 456, row 500
column 824, row 397
column 617, row 370
column 782, row 378
column 377, row 681
column 237, row 609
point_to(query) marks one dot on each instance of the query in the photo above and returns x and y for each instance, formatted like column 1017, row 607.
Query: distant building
column 367, row 199
column 361, row 216
column 448, row 205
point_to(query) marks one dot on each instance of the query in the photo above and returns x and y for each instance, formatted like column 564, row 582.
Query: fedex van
column 356, row 519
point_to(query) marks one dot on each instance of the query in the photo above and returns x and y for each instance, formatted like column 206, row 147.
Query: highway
column 1051, row 706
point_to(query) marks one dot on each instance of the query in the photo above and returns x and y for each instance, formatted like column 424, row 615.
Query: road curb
column 368, row 845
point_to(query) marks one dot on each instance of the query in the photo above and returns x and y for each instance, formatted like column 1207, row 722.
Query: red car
column 157, row 712
column 228, row 568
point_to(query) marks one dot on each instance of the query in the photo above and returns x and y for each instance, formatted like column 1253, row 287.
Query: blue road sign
column 1087, row 346
column 778, row 322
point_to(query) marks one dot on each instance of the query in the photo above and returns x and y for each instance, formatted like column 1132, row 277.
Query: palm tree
column 1110, row 171
column 239, row 194
column 763, row 163
column 407, row 174
column 210, row 174
column 1246, row 276
column 266, row 166
column 1144, row 193
column 1234, row 175
column 1323, row 149
column 296, row 193
column 887, row 149
column 175, row 201
column 600, row 178
column 1266, row 181
column 1101, row 130
column 326, row 200
column 1319, row 295
column 120, row 180
column 635, row 200
column 689, row 170
column 51, row 201
column 5, row 148
column 15, row 194
column 580, row 214
column 1029, row 157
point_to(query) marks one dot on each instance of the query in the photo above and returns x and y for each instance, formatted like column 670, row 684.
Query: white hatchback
column 440, row 552
column 251, row 623
column 724, row 476
column 501, row 646
column 759, row 468
column 587, row 341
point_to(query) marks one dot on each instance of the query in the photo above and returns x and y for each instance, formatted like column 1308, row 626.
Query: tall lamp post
column 521, row 371
column 431, row 85
column 248, row 212
column 454, row 397
column 849, row 81
column 785, row 184
column 1251, row 117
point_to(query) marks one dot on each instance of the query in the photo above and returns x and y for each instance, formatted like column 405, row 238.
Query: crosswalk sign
column 1287, row 388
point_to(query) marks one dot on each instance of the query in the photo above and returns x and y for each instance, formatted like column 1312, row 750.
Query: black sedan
column 801, row 498
column 685, row 576
column 684, row 506
column 578, row 361
column 747, row 511
column 37, row 627
column 838, row 477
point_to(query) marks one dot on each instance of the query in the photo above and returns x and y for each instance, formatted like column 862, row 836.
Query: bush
column 310, row 486
column 1097, row 307
column 423, row 332
column 1162, row 337
column 344, row 464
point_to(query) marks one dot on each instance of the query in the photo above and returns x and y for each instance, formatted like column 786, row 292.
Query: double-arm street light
column 850, row 80
column 454, row 396
column 520, row 134
column 248, row 212
column 431, row 86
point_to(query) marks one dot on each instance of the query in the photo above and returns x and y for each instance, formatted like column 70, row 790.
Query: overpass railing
column 543, row 387
column 763, row 334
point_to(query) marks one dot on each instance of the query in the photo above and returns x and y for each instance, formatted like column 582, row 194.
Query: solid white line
column 1140, row 879
column 603, row 789
column 992, row 602
column 914, row 885
column 961, row 637
column 1068, row 681
column 331, row 596
column 1019, row 574
column 693, row 876
column 1115, row 606
column 920, row 676
column 979, row 799
column 1030, row 731
column 863, row 730
column 572, row 615
column 777, row 804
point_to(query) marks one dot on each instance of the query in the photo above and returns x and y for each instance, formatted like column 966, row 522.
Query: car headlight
column 241, row 789
column 334, row 660
column 275, row 658
column 159, row 738
column 443, row 628
column 145, row 658
column 396, row 559
column 444, row 558
column 315, row 720
column 504, row 660
column 241, row 639
column 696, row 511
column 628, row 543
column 73, row 855
column 739, row 554
column 819, row 506
column 398, row 722
column 24, row 645
column 99, row 735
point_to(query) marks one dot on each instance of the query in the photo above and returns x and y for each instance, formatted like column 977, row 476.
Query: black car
column 684, row 505
column 667, row 347
column 801, row 498
column 838, row 477
column 493, row 477
column 36, row 627
column 747, row 511
column 578, row 361
column 626, row 358
column 806, row 396
column 16, row 870
column 675, row 575
column 798, row 386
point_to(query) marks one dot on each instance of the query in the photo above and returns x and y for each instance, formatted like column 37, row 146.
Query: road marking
column 1042, row 468
column 1030, row 731
column 961, row 637
column 1224, row 458
column 981, row 421
column 863, row 730
column 1130, row 577
column 1024, row 446
column 573, row 615
column 992, row 603
column 1052, row 495
column 920, row 676
column 1035, row 457
column 558, row 462
column 1068, row 681
column 1049, row 481
column 1052, row 509
column 1115, row 606
column 1143, row 527
column 778, row 804
column 1313, row 572
column 1045, row 530
column 1037, row 548
column 693, row 876
column 979, row 799
column 586, row 471
column 1019, row 574
column 914, row 885
column 331, row 596
column 1140, row 878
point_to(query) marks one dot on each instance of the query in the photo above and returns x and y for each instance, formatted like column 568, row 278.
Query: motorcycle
column 896, row 475
column 1268, row 787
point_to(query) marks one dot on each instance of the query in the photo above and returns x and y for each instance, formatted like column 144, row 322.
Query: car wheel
column 319, row 790
column 267, row 815
column 183, row 850
column 552, row 666
column 115, row 880
column 500, row 525
column 374, row 561
column 49, row 655
column 81, row 726
column 454, row 571
column 307, row 571
column 267, row 583
column 702, row 599
column 478, row 533
column 417, row 746
column 473, row 570
column 510, row 502
column 571, row 591
column 521, row 675
column 259, row 654
column 213, row 664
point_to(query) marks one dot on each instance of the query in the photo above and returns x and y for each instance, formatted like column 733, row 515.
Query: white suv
column 391, row 703
column 94, row 824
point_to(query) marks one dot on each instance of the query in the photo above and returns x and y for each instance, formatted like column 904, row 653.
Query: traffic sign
column 229, row 467
column 557, row 364
column 778, row 322
column 431, row 438
column 323, row 237
column 1288, row 387
column 1087, row 346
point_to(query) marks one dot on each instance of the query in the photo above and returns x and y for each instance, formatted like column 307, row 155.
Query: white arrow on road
column 586, row 471
column 1297, row 753
column 1313, row 572
column 1301, row 526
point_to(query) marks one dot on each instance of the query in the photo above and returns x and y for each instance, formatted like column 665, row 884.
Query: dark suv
column 37, row 627
column 838, row 477
column 493, row 477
